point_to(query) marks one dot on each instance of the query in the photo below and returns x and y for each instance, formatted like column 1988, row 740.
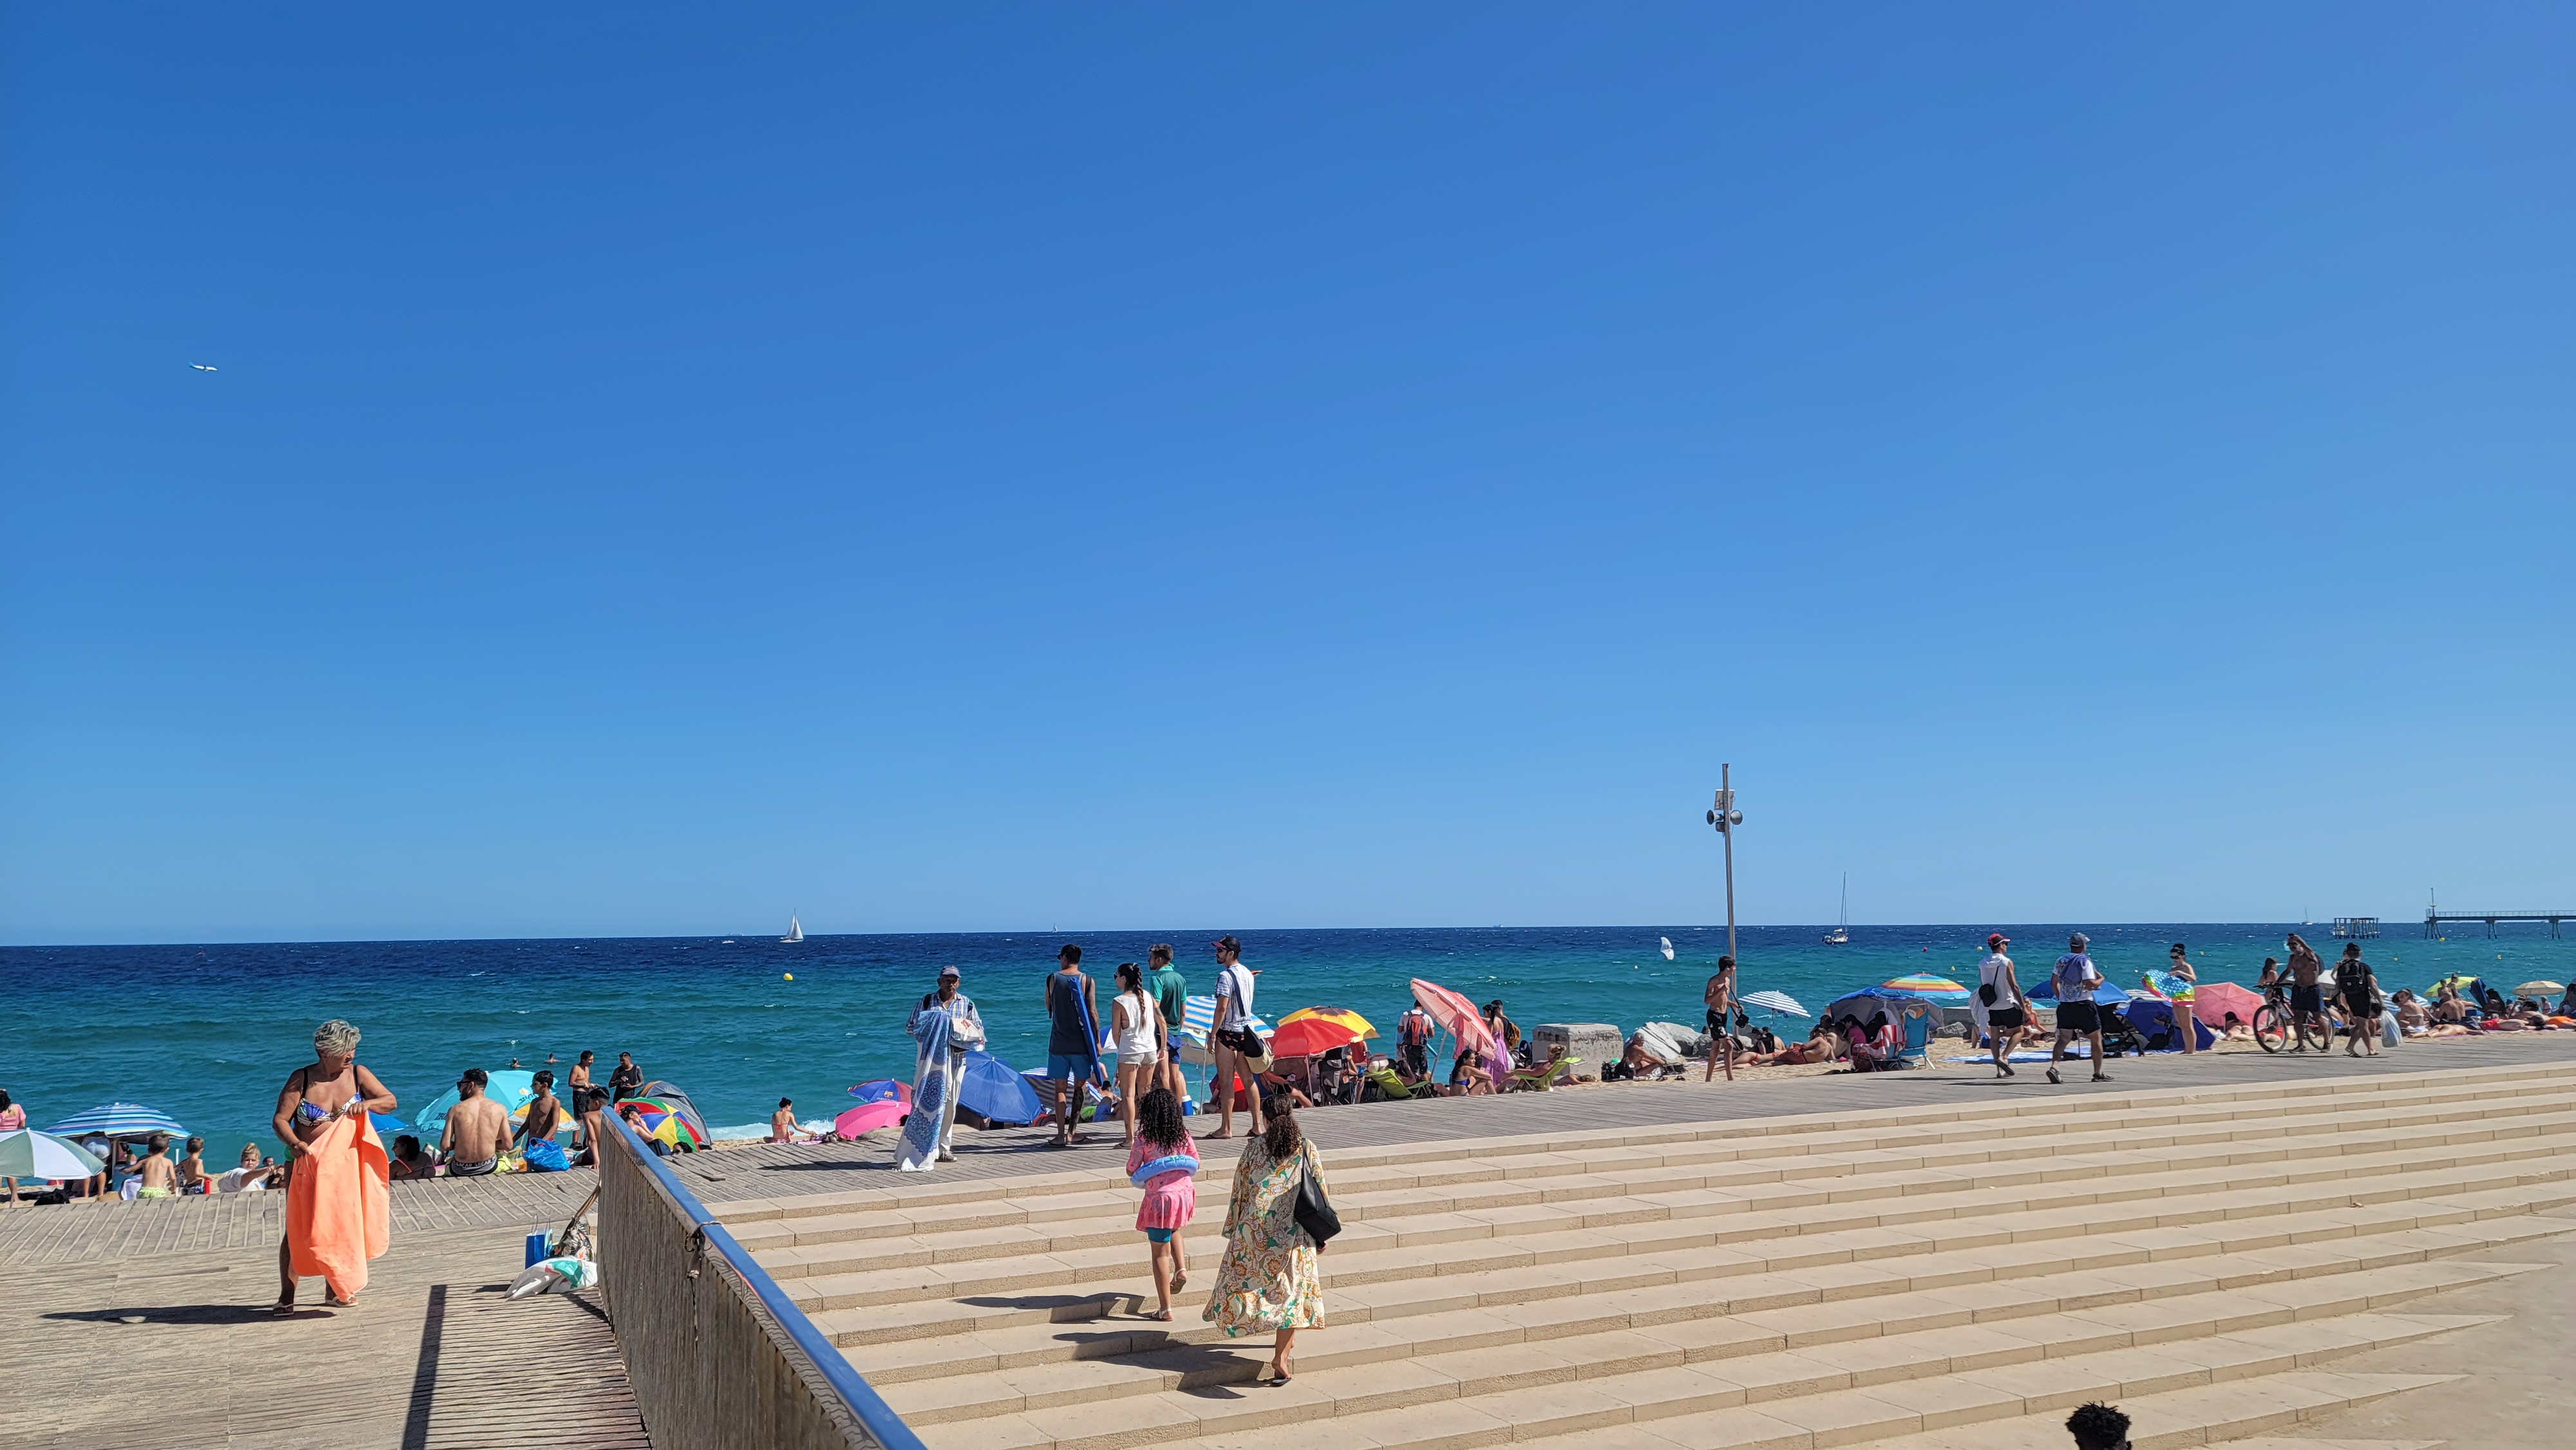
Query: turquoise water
column 209, row 1033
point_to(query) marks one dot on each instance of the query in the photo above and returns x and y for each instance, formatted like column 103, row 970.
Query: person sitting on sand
column 1467, row 1076
column 2412, row 1019
column 160, row 1176
column 478, row 1129
column 594, row 1101
column 544, row 1115
column 782, row 1124
column 2236, row 1031
column 409, row 1161
column 1275, row 1084
column 192, row 1168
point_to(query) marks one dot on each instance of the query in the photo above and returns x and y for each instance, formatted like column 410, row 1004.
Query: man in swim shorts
column 1719, row 994
column 2307, row 997
column 477, row 1131
column 2075, row 978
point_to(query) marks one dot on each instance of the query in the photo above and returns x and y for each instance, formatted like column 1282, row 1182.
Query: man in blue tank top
column 1073, row 1053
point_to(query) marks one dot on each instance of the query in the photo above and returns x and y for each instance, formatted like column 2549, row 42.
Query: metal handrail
column 864, row 1403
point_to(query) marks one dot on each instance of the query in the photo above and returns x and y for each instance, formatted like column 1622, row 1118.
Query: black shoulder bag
column 1315, row 1216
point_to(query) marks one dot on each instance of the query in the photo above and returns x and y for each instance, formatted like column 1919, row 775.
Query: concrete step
column 973, row 1204
column 1585, row 1338
column 1375, row 1193
column 1839, row 1394
column 1389, row 1219
column 2238, row 1413
column 1772, row 1138
column 2050, row 1209
column 1914, row 1293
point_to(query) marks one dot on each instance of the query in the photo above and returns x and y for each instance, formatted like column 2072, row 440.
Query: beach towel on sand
column 339, row 1213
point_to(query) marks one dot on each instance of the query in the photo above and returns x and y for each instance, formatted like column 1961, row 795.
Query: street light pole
column 1725, row 817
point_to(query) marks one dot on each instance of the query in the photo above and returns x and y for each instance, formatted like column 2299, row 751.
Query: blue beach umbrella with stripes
column 119, row 1120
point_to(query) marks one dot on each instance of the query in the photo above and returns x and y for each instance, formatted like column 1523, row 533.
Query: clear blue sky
column 1018, row 466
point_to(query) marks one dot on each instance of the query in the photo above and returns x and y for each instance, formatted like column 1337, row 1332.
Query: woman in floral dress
column 1267, row 1279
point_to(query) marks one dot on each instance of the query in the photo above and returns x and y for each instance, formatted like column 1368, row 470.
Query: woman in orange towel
column 338, row 1209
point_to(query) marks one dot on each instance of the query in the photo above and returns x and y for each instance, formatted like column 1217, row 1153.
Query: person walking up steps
column 2075, row 979
column 1999, row 1006
column 1164, row 1162
column 1268, row 1278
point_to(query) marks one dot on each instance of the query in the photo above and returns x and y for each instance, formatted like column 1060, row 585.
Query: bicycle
column 2277, row 1028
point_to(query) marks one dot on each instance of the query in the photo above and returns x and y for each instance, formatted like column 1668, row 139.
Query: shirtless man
column 577, row 1079
column 594, row 1102
column 1719, row 994
column 333, row 1085
column 545, row 1113
column 477, row 1132
column 2307, row 998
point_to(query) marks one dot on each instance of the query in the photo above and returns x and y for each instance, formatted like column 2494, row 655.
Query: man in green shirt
column 1171, row 993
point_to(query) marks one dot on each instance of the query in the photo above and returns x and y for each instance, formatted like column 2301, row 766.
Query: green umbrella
column 30, row 1154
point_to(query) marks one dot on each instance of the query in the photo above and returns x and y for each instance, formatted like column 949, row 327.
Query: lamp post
column 1725, row 817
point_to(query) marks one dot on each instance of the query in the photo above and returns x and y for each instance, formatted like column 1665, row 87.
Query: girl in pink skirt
column 1164, row 1163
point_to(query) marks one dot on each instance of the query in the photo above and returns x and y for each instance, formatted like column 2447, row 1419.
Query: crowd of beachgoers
column 1102, row 1058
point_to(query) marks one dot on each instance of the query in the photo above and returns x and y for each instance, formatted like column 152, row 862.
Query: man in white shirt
column 1233, row 1006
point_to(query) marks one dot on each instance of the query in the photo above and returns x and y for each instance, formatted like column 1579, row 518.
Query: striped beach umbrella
column 28, row 1154
column 1931, row 989
column 119, row 1120
column 1198, row 1019
column 1770, row 1001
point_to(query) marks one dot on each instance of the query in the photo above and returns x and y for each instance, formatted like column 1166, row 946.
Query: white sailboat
column 795, row 930
column 1840, row 936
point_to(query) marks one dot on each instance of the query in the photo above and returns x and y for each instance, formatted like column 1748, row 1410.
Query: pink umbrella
column 870, row 1115
column 1460, row 1017
column 2212, row 1001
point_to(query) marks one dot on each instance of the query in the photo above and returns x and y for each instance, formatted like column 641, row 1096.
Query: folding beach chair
column 1544, row 1076
column 1917, row 1051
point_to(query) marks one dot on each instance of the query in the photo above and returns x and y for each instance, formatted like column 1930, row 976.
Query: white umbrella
column 30, row 1154
column 1770, row 1001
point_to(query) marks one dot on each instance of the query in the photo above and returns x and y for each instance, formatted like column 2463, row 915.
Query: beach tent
column 2153, row 1017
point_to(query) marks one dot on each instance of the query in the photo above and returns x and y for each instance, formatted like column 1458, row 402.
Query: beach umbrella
column 1868, row 1000
column 995, row 1089
column 2046, row 991
column 388, row 1127
column 2539, row 989
column 27, row 1153
column 1198, row 1019
column 1935, row 990
column 1309, row 1036
column 1359, row 1025
column 511, row 1087
column 118, row 1120
column 1455, row 1014
column 865, row 1116
column 2466, row 984
column 2212, row 1001
column 673, row 1122
column 1770, row 1001
column 883, row 1090
column 669, row 1097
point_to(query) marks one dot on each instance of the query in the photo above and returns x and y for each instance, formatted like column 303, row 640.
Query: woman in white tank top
column 1137, row 1024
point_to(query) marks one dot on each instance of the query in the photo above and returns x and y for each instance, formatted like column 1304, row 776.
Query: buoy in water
column 790, row 976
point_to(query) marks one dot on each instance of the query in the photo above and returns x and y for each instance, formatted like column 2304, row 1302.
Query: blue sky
column 1035, row 466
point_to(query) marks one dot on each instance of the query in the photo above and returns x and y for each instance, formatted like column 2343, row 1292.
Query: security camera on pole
column 1721, row 988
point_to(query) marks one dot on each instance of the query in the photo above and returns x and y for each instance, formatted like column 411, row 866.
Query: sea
column 209, row 1033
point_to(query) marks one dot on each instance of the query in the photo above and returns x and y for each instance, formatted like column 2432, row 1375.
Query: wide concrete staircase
column 1947, row 1277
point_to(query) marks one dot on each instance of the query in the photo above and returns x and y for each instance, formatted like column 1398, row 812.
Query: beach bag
column 1315, row 1216
column 545, row 1155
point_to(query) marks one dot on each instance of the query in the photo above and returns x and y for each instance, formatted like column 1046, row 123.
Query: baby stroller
column 2119, row 1035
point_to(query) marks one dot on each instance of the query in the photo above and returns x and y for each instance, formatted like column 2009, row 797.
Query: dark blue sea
column 208, row 1033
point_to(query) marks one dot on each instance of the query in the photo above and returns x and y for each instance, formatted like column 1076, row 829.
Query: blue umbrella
column 2106, row 994
column 119, row 1120
column 882, row 1090
column 995, row 1089
column 388, row 1127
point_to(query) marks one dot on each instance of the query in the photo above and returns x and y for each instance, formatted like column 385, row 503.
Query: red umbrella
column 1307, row 1036
column 1460, row 1017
